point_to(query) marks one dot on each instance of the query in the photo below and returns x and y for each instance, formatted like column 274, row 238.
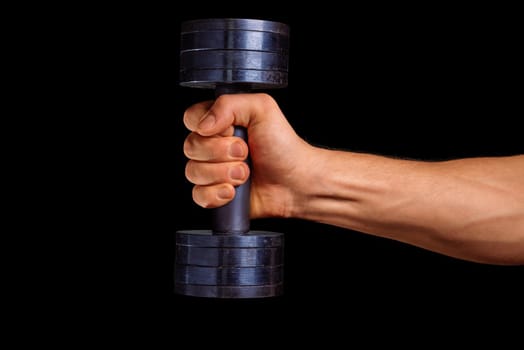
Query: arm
column 471, row 209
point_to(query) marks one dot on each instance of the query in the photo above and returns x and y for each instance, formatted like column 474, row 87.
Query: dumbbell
column 232, row 55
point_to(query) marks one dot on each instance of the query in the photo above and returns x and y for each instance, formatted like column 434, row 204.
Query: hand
column 279, row 157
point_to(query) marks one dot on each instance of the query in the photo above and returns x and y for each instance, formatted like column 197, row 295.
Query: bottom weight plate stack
column 250, row 265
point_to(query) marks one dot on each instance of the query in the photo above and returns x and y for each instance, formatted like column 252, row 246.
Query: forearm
column 470, row 208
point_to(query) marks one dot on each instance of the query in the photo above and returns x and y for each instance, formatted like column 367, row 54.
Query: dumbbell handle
column 233, row 218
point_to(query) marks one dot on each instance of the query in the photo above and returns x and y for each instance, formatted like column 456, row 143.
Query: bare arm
column 471, row 209
column 468, row 208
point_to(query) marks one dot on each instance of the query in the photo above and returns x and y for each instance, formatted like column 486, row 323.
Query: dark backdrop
column 415, row 83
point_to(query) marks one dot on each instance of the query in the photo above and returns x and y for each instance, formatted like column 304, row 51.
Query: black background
column 428, row 84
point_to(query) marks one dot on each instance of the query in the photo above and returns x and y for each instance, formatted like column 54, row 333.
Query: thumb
column 238, row 110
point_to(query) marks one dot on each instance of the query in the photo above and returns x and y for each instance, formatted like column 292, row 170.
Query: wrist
column 324, row 173
column 344, row 188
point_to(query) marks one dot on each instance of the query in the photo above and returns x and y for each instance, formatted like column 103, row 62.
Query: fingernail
column 236, row 150
column 237, row 173
column 224, row 193
column 207, row 122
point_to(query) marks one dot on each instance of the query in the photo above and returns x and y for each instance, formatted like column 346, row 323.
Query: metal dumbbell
column 232, row 55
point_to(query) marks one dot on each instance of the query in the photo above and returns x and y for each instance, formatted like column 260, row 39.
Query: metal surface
column 226, row 24
column 253, row 239
column 228, row 276
column 230, row 291
column 233, row 218
column 212, row 256
column 237, row 39
column 234, row 51
column 250, row 265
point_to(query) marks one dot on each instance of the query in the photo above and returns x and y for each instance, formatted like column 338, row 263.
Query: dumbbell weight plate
column 234, row 51
column 221, row 24
column 245, row 257
column 252, row 239
column 240, row 40
column 233, row 59
column 253, row 79
column 242, row 266
column 228, row 276
column 230, row 291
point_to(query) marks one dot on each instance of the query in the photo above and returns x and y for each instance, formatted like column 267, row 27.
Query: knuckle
column 223, row 100
column 190, row 171
column 189, row 146
column 198, row 198
column 186, row 119
column 202, row 197
column 265, row 100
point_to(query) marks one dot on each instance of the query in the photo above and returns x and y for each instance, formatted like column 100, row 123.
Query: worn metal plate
column 252, row 239
column 239, row 40
column 230, row 291
column 234, row 51
column 213, row 24
column 228, row 276
column 240, row 257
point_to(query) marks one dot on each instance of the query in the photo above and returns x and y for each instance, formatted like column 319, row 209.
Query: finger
column 202, row 173
column 213, row 196
column 194, row 114
column 214, row 149
column 239, row 109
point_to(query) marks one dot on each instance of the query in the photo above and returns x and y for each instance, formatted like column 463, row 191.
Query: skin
column 471, row 208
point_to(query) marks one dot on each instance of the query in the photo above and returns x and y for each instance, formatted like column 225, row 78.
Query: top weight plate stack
column 250, row 52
